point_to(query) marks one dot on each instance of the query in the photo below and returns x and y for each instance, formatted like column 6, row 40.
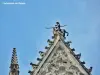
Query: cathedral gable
column 59, row 58
column 58, row 63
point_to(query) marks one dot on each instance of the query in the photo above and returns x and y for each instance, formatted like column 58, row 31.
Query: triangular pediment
column 59, row 58
column 59, row 61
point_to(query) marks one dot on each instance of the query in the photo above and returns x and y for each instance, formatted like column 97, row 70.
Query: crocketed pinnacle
column 14, row 67
column 14, row 59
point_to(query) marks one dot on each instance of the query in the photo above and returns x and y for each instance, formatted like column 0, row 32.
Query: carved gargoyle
column 90, row 69
column 73, row 49
column 34, row 65
column 41, row 53
column 83, row 62
column 78, row 56
column 68, row 43
column 29, row 71
column 50, row 42
column 47, row 47
column 39, row 59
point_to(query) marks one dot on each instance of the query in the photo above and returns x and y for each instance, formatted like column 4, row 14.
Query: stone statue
column 64, row 32
column 57, row 28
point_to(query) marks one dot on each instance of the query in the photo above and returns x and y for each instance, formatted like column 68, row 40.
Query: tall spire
column 14, row 59
column 14, row 67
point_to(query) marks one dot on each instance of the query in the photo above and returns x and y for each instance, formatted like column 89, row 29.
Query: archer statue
column 58, row 28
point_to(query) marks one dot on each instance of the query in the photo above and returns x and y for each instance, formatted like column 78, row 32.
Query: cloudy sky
column 23, row 27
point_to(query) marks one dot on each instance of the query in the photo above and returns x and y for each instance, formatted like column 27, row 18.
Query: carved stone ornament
column 59, row 64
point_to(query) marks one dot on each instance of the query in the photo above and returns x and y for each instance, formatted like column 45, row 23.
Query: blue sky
column 23, row 27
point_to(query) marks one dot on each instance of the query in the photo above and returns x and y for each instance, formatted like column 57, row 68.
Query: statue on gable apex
column 57, row 28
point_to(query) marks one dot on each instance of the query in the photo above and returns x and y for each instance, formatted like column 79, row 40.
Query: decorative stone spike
column 73, row 49
column 39, row 59
column 83, row 62
column 46, row 47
